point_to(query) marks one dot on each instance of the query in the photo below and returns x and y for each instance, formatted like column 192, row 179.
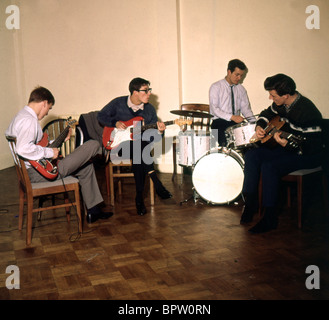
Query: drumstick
column 251, row 117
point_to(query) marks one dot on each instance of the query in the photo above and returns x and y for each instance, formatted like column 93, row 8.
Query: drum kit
column 217, row 172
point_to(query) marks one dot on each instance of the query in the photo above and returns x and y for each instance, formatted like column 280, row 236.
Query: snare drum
column 190, row 153
column 218, row 176
column 239, row 135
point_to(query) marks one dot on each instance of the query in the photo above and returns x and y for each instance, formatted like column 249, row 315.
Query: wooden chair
column 300, row 176
column 200, row 124
column 54, row 129
column 28, row 191
column 114, row 171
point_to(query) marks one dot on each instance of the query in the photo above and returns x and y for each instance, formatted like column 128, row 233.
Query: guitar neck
column 154, row 125
column 60, row 139
column 284, row 134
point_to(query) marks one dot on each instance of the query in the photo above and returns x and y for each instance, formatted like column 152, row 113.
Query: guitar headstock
column 71, row 123
column 182, row 122
column 296, row 142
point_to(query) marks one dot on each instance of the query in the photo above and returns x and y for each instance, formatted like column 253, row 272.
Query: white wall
column 86, row 52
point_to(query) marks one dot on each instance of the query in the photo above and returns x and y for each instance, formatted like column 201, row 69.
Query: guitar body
column 272, row 127
column 112, row 136
column 44, row 166
column 275, row 123
column 47, row 168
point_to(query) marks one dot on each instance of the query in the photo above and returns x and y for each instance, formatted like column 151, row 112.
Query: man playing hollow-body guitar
column 296, row 145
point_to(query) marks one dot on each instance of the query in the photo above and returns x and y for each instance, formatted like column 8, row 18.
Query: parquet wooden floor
column 192, row 251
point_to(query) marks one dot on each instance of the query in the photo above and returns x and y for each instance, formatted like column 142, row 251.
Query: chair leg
column 174, row 161
column 29, row 221
column 78, row 207
column 119, row 182
column 67, row 209
column 107, row 175
column 152, row 192
column 21, row 209
column 111, row 184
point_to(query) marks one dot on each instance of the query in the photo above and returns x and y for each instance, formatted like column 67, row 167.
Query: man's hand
column 260, row 132
column 56, row 153
column 237, row 119
column 161, row 126
column 279, row 140
column 68, row 137
column 120, row 125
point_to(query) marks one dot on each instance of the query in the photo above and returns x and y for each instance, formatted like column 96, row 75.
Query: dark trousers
column 139, row 152
column 218, row 127
column 272, row 164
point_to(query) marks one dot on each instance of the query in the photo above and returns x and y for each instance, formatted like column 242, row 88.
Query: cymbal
column 194, row 114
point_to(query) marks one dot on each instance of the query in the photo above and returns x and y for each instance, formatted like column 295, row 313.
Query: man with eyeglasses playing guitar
column 116, row 117
column 26, row 128
column 290, row 138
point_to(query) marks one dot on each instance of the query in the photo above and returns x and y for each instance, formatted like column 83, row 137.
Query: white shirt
column 27, row 130
column 220, row 101
column 134, row 107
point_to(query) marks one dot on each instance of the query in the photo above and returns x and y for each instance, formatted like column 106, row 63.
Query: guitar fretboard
column 60, row 139
column 150, row 126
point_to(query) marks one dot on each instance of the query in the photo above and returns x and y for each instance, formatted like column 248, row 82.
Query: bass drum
column 218, row 176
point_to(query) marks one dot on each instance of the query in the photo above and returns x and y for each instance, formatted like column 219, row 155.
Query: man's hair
column 41, row 94
column 236, row 63
column 136, row 83
column 281, row 83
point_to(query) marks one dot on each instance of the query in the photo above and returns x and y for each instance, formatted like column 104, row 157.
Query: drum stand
column 194, row 196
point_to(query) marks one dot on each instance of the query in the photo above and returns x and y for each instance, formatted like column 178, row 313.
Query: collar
column 288, row 108
column 31, row 111
column 134, row 107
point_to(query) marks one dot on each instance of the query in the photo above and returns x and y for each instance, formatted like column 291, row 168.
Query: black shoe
column 95, row 213
column 262, row 226
column 163, row 193
column 141, row 209
column 105, row 215
column 269, row 222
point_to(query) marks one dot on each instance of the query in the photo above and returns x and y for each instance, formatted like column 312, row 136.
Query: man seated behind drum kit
column 227, row 100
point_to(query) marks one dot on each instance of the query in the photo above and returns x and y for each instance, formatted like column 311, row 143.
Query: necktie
column 232, row 98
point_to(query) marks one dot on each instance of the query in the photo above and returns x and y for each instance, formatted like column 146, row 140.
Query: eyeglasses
column 149, row 90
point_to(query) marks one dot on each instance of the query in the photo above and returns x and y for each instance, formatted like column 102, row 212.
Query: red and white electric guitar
column 112, row 137
column 44, row 166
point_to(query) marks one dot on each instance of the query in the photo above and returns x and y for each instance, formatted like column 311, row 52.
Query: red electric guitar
column 44, row 166
column 112, row 137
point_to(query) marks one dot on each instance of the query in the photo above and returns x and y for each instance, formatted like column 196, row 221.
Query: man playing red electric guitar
column 117, row 114
column 26, row 128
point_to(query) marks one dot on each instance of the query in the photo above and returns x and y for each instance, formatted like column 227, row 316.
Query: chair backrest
column 201, row 123
column 54, row 129
column 23, row 177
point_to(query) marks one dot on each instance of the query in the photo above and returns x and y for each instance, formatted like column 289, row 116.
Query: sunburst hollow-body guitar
column 274, row 126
